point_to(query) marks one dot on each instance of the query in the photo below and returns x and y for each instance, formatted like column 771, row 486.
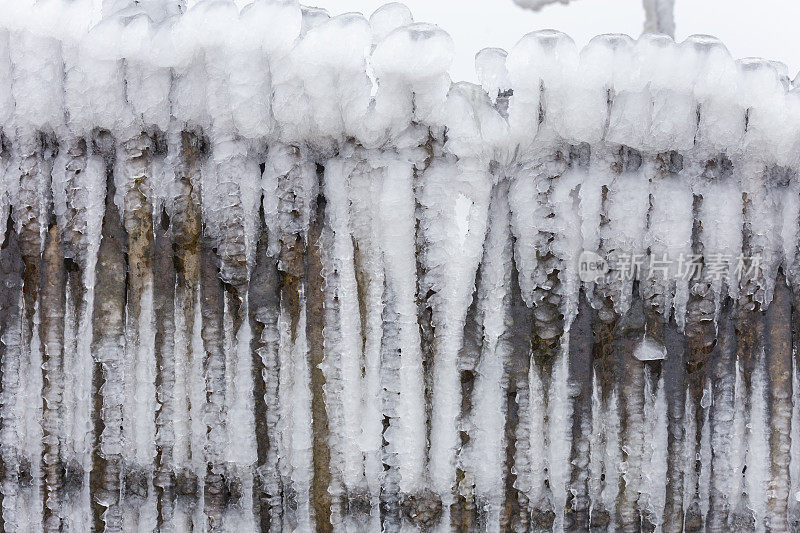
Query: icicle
column 721, row 216
column 53, row 296
column 626, row 207
column 264, row 297
column 230, row 185
column 701, row 340
column 212, row 307
column 605, row 455
column 83, row 195
column 11, row 343
column 186, row 154
column 296, row 439
column 580, row 361
column 632, row 398
column 721, row 418
column 567, row 243
column 757, row 475
column 538, row 270
column 794, row 451
column 165, row 281
column 341, row 280
column 30, row 207
column 654, row 469
column 669, row 236
column 108, row 344
column 396, row 234
column 365, row 184
column 539, row 494
column 487, row 449
column 291, row 184
column 452, row 232
column 778, row 361
column 133, row 178
column 559, row 415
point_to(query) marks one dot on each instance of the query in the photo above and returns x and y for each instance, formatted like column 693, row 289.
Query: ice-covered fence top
column 276, row 70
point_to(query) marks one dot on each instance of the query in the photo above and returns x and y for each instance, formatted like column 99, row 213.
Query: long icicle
column 53, row 294
column 11, row 269
column 133, row 174
column 108, row 325
column 778, row 355
column 488, row 442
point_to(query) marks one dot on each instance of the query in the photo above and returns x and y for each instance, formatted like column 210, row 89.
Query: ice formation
column 264, row 269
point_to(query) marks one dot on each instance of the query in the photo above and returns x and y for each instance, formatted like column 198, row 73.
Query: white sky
column 765, row 28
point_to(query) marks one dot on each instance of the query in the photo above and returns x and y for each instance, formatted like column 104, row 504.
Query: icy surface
column 269, row 268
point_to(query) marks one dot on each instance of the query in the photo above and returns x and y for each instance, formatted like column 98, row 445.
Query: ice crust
column 325, row 79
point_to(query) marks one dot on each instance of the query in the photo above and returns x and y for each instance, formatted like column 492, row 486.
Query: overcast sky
column 765, row 28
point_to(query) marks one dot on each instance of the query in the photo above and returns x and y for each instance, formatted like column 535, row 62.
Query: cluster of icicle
column 266, row 269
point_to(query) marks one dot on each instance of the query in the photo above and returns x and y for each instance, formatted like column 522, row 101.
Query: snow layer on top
column 278, row 70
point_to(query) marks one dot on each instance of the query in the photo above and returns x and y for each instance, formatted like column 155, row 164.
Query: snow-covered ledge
column 266, row 269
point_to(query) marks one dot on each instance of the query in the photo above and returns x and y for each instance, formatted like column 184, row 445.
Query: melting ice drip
column 271, row 270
